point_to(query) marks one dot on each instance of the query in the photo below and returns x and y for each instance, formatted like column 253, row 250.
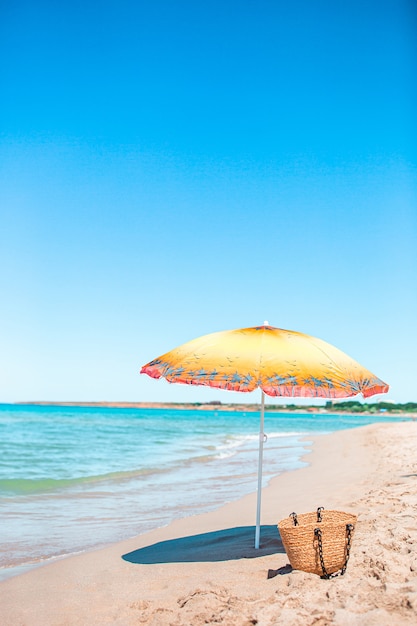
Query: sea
column 77, row 478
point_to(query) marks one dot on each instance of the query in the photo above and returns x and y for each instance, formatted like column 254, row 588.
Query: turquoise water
column 74, row 478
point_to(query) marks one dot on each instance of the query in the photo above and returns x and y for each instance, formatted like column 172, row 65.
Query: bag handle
column 294, row 518
column 319, row 516
column 318, row 534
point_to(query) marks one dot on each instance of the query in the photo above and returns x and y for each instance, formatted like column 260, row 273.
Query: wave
column 238, row 444
column 237, row 441
column 234, row 444
column 12, row 487
column 28, row 486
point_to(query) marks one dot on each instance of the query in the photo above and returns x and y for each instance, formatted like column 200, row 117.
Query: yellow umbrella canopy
column 280, row 362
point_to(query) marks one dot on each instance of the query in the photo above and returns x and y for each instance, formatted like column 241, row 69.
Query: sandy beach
column 205, row 570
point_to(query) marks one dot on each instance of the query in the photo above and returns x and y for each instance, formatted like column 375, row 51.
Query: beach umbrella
column 279, row 362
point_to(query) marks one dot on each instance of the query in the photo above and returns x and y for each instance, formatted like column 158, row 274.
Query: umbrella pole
column 261, row 449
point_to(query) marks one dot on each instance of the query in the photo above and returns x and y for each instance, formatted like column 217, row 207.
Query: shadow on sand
column 221, row 545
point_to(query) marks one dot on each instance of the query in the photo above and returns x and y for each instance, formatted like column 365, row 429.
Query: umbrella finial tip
column 266, row 323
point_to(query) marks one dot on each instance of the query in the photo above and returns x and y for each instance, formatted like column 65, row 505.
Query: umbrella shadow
column 221, row 545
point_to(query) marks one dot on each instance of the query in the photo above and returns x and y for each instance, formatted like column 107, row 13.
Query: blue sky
column 170, row 169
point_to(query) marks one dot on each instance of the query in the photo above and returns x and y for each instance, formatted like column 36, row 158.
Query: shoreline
column 204, row 569
column 200, row 504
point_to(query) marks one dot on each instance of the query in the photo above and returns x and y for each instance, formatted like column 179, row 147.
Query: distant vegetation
column 353, row 406
column 349, row 406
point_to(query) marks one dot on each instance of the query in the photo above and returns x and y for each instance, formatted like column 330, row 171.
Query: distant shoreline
column 198, row 406
column 219, row 406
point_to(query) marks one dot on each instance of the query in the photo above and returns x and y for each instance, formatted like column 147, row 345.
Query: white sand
column 204, row 569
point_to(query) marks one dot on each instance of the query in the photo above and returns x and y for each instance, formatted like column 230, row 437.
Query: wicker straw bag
column 318, row 543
